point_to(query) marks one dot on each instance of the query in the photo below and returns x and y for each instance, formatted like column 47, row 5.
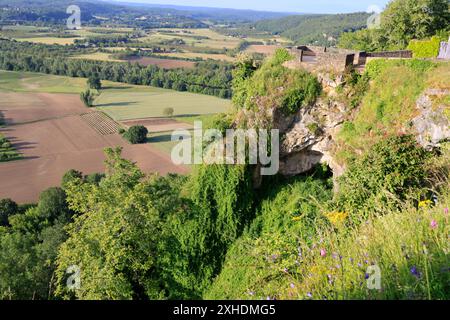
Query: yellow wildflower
column 337, row 218
column 425, row 204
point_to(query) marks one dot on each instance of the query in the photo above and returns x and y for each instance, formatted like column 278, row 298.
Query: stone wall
column 402, row 54
column 322, row 58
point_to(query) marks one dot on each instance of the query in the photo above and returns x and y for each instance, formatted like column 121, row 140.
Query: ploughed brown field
column 163, row 63
column 56, row 133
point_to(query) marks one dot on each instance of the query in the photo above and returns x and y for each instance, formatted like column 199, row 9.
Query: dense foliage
column 401, row 22
column 136, row 134
column 299, row 88
column 425, row 48
column 314, row 29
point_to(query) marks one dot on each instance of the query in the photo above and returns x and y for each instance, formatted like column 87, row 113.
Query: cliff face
column 309, row 137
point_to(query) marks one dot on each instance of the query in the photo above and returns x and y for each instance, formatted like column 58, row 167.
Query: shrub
column 121, row 131
column 389, row 172
column 425, row 48
column 136, row 134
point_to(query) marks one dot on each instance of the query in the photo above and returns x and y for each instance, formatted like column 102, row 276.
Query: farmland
column 184, row 44
column 135, row 102
column 53, row 132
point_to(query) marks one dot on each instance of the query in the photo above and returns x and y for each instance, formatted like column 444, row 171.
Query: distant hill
column 94, row 12
column 130, row 14
column 224, row 15
column 314, row 29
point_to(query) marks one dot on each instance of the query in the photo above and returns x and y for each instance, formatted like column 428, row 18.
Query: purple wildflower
column 292, row 286
column 323, row 253
column 415, row 272
column 309, row 294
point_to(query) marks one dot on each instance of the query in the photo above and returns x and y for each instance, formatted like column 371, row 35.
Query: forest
column 310, row 29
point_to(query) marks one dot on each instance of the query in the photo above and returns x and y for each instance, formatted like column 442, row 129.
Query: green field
column 120, row 101
column 137, row 102
column 36, row 82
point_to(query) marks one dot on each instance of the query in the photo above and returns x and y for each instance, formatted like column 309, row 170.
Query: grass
column 36, row 82
column 138, row 102
column 409, row 246
column 163, row 141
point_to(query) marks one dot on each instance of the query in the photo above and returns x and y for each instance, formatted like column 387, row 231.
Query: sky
column 300, row 6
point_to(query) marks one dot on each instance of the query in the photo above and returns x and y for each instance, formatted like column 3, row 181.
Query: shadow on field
column 23, row 145
column 160, row 138
column 116, row 104
column 163, row 138
column 116, row 88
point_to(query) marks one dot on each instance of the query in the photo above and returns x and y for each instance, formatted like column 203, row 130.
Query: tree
column 136, row 134
column 117, row 236
column 168, row 112
column 94, row 82
column 404, row 20
column 401, row 22
column 88, row 98
column 7, row 209
column 70, row 176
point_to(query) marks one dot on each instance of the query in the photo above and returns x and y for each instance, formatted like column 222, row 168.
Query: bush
column 388, row 173
column 425, row 48
column 136, row 134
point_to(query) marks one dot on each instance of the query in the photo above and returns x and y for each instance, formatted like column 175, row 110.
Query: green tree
column 404, row 20
column 94, row 82
column 70, row 176
column 7, row 209
column 116, row 237
column 136, row 134
column 88, row 98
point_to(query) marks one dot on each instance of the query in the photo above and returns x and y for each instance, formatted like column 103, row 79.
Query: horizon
column 283, row 6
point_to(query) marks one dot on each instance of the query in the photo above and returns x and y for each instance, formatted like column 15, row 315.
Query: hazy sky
column 302, row 6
